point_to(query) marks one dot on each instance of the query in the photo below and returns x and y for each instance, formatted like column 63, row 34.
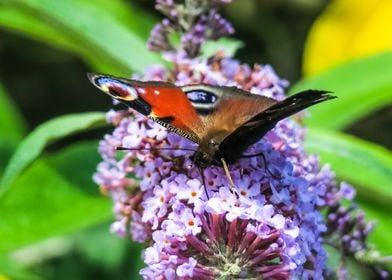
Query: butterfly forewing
column 162, row 102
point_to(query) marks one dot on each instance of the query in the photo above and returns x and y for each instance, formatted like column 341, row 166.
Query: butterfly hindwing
column 256, row 127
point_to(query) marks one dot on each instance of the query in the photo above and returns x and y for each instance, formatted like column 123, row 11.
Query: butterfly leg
column 204, row 181
column 264, row 161
column 227, row 172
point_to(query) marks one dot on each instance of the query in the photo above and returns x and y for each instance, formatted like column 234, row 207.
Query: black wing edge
column 255, row 128
column 296, row 103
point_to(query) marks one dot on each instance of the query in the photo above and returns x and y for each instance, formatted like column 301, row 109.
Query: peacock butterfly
column 224, row 121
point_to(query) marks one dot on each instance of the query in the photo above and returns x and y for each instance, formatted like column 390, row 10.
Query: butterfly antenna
column 119, row 148
column 264, row 161
column 204, row 181
column 227, row 172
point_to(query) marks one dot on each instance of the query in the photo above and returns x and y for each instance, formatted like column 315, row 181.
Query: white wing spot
column 132, row 93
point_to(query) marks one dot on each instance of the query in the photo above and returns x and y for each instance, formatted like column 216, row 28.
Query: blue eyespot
column 201, row 97
column 117, row 89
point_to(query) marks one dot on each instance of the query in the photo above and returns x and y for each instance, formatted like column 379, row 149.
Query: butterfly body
column 223, row 121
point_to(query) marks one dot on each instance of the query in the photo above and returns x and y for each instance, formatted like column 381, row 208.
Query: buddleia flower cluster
column 283, row 209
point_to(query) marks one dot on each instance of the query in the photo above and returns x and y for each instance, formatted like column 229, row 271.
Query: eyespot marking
column 116, row 89
column 201, row 97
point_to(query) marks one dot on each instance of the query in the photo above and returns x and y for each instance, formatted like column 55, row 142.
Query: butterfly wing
column 230, row 118
column 198, row 112
column 161, row 102
column 256, row 127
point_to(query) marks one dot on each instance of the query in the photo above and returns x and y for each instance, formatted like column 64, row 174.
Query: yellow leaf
column 348, row 30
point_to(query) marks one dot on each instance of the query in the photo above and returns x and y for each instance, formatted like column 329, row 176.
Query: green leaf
column 369, row 168
column 53, row 196
column 16, row 19
column 367, row 165
column 93, row 241
column 12, row 126
column 109, row 35
column 9, row 269
column 381, row 235
column 35, row 142
column 228, row 45
column 362, row 87
column 24, row 23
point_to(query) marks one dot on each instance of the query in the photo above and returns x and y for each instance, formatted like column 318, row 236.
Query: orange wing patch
column 172, row 105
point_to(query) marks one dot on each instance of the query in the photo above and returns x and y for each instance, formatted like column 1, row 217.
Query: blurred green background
column 54, row 223
column 274, row 32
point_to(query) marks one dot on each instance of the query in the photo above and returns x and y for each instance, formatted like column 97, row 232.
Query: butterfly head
column 202, row 159
column 207, row 155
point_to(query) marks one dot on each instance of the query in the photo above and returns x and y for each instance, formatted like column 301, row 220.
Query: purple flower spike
column 198, row 22
column 159, row 37
column 219, row 249
column 270, row 226
column 219, row 27
column 284, row 208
